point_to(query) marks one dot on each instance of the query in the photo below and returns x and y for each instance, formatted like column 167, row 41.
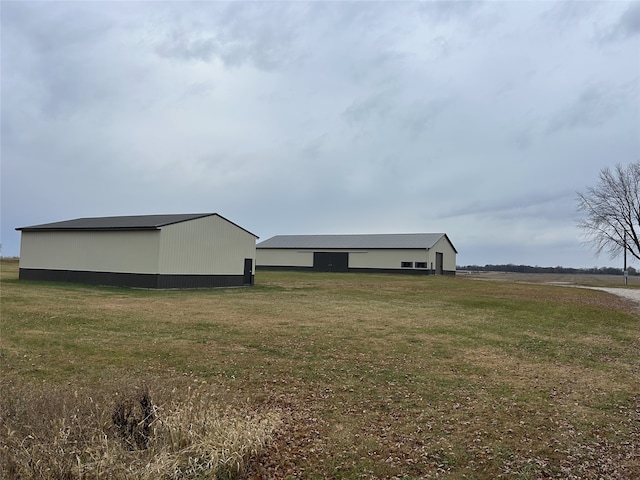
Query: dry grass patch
column 53, row 432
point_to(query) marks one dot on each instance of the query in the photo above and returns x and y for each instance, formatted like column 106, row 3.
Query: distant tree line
column 536, row 269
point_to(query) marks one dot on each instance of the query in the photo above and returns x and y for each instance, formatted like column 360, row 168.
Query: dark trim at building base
column 406, row 271
column 135, row 280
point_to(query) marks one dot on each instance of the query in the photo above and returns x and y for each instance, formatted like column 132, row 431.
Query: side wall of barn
column 449, row 255
column 205, row 246
column 95, row 251
column 399, row 260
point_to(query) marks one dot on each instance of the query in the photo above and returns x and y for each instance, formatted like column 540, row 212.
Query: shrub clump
column 132, row 418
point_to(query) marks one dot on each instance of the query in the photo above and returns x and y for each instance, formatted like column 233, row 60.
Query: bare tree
column 612, row 211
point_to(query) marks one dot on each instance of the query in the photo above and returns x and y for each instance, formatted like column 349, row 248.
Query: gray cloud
column 421, row 116
column 627, row 26
column 263, row 35
column 55, row 68
column 449, row 11
column 375, row 107
column 567, row 14
column 595, row 105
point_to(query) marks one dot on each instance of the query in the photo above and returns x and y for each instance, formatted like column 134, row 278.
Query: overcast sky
column 478, row 119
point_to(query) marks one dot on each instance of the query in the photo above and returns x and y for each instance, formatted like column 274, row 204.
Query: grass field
column 312, row 375
column 633, row 281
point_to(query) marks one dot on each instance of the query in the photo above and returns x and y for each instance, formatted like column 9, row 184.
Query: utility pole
column 625, row 273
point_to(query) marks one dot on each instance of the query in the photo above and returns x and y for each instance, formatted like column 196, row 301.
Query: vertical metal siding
column 205, row 246
column 387, row 258
column 449, row 254
column 104, row 251
column 268, row 257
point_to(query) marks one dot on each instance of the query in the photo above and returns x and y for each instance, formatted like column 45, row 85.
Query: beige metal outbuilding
column 417, row 253
column 147, row 251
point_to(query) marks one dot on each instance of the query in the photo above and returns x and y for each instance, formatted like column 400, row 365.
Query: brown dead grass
column 61, row 432
column 569, row 278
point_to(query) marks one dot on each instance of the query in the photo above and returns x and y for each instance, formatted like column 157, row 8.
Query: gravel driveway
column 630, row 293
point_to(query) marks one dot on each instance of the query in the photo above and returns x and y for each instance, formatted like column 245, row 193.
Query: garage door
column 331, row 261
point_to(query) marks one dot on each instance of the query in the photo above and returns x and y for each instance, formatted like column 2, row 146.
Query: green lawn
column 369, row 376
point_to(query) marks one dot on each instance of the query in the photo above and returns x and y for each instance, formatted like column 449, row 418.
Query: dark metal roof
column 372, row 241
column 131, row 222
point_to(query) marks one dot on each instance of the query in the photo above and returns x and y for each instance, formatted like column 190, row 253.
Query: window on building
column 421, row 264
column 407, row 264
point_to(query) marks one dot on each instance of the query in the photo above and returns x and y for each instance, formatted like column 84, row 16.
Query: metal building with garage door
column 416, row 253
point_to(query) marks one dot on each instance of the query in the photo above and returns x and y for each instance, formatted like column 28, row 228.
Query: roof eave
column 85, row 229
